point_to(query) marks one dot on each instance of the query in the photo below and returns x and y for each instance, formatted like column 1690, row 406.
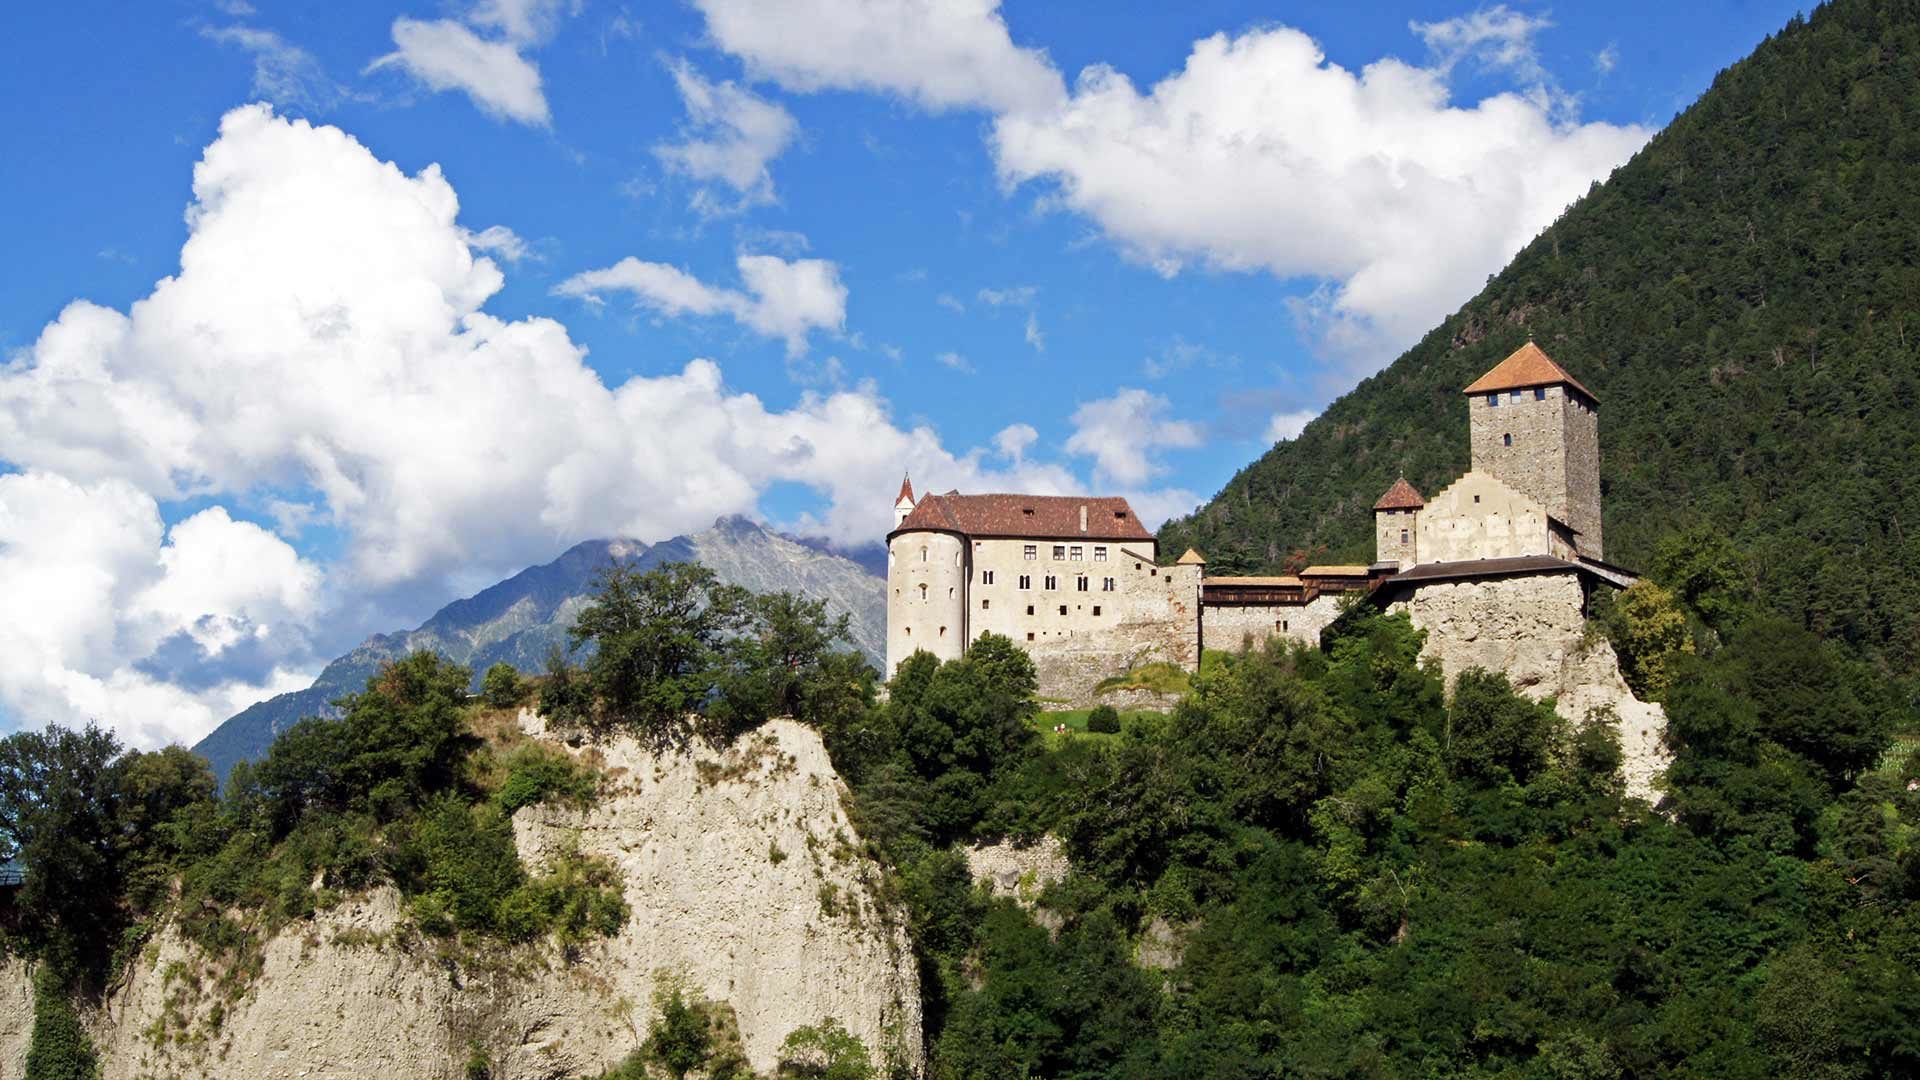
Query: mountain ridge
column 520, row 618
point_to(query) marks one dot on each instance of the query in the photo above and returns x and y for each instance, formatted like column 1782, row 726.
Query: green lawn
column 1076, row 721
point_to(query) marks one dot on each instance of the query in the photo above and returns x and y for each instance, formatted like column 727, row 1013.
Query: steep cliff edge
column 743, row 879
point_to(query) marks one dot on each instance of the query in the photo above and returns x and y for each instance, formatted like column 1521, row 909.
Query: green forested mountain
column 1743, row 296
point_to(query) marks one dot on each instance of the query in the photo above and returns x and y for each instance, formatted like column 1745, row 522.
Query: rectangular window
column 1096, row 609
column 1079, row 553
column 1063, row 609
column 1059, row 551
column 1081, row 584
column 1099, row 554
column 1514, row 396
column 1539, row 393
column 1029, row 611
column 985, row 604
column 1029, row 634
column 1106, row 584
column 1052, row 582
column 1507, row 439
column 1492, row 400
column 1026, row 581
column 986, row 577
column 1403, row 536
column 1033, row 552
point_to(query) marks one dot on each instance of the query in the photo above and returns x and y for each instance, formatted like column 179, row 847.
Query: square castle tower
column 1534, row 484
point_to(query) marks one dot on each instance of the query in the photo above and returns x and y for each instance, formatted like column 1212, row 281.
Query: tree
column 1494, row 733
column 658, row 637
column 1104, row 719
column 60, row 794
column 824, row 1051
column 781, row 662
column 502, row 687
column 1650, row 632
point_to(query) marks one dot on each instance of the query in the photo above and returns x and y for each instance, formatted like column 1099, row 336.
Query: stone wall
column 1480, row 517
column 1231, row 627
column 1396, row 536
column 1533, row 629
column 926, row 596
column 1545, row 447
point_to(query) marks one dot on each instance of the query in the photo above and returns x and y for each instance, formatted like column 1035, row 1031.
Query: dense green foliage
column 399, row 789
column 1346, row 873
column 677, row 653
column 59, row 1048
column 1743, row 296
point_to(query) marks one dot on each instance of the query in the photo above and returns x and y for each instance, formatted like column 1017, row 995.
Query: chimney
column 1083, row 517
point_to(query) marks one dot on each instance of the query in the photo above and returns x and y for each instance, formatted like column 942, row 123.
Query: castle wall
column 1533, row 630
column 1583, row 473
column 1480, row 517
column 1232, row 627
column 1544, row 443
column 926, row 596
column 1158, row 623
column 999, row 604
column 1396, row 536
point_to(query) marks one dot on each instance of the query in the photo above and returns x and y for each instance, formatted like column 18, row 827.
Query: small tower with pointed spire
column 1396, row 521
column 903, row 505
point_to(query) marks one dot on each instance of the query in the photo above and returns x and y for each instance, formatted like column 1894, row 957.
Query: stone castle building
column 1498, row 568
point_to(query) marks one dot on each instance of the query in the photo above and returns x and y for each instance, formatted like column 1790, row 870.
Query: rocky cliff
column 744, row 881
column 520, row 619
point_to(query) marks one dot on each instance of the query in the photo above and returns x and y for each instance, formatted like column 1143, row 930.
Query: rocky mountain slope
column 520, row 619
column 1744, row 298
column 743, row 879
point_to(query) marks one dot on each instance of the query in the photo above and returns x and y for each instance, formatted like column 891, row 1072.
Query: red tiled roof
column 906, row 489
column 1052, row 517
column 1528, row 366
column 1401, row 496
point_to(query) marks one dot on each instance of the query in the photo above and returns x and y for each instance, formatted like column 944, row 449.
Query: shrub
column 826, row 1051
column 502, row 686
column 1104, row 720
column 537, row 774
column 60, row 1049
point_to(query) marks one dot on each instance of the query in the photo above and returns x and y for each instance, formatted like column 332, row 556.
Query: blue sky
column 707, row 257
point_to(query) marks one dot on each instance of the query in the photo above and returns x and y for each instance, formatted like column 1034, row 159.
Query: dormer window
column 1026, row 511
column 1119, row 515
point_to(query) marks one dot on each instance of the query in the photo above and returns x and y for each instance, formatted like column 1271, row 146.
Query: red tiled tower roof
column 1528, row 366
column 906, row 489
column 1050, row 517
column 1401, row 496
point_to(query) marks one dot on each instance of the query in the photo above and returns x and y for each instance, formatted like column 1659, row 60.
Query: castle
column 1498, row 568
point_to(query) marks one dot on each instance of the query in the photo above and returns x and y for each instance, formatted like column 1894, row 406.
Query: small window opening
column 1029, row 609
column 1539, row 393
column 1063, row 609
column 985, row 604
column 1403, row 536
column 1476, row 498
column 1029, row 635
column 1096, row 609
column 1493, row 400
column 943, row 631
column 1507, row 439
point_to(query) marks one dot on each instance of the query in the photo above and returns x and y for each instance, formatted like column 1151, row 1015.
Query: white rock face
column 1022, row 873
column 1531, row 629
column 16, row 1016
column 731, row 863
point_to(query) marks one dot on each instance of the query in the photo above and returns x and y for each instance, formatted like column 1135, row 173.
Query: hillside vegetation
column 1743, row 296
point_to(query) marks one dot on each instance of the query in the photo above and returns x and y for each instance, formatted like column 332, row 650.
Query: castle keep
column 1497, row 568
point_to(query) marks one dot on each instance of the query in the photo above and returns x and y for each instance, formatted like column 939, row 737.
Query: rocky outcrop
column 16, row 1015
column 743, row 877
column 1022, row 872
column 1533, row 629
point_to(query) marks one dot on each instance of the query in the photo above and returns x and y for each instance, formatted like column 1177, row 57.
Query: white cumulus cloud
column 940, row 54
column 323, row 356
column 1262, row 155
column 1125, row 433
column 778, row 298
column 446, row 54
column 1289, row 425
column 732, row 134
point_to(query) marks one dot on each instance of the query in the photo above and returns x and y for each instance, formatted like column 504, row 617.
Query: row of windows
column 1539, row 394
column 1067, row 553
column 1050, row 582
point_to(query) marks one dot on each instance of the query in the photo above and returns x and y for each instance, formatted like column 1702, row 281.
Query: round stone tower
column 927, row 575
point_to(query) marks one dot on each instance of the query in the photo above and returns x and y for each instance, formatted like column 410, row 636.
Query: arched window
column 923, row 591
column 923, row 554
